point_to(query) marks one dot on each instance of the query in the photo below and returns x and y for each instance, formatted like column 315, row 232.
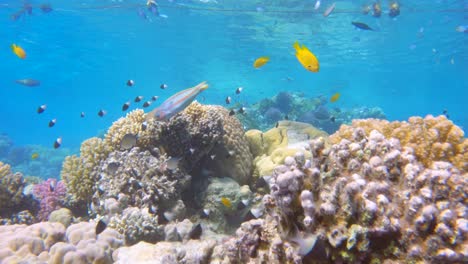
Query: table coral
column 432, row 138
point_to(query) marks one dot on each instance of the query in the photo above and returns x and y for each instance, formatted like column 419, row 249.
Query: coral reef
column 51, row 195
column 143, row 179
column 51, row 243
column 296, row 107
column 78, row 172
column 13, row 198
column 216, row 138
column 192, row 251
column 357, row 194
column 137, row 225
column 272, row 147
column 256, row 241
column 221, row 218
column 431, row 138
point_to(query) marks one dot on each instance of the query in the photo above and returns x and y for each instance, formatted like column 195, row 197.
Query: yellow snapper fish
column 306, row 58
column 335, row 97
column 226, row 202
column 176, row 103
column 18, row 51
column 261, row 61
column 35, row 155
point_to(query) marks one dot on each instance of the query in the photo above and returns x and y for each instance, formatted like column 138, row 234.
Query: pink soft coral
column 51, row 194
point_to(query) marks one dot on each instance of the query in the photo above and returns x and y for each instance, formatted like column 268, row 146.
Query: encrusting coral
column 431, row 138
column 51, row 243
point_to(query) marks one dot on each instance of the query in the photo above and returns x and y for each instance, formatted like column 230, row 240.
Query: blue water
column 84, row 52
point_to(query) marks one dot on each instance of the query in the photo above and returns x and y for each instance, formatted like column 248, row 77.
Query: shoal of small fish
column 304, row 56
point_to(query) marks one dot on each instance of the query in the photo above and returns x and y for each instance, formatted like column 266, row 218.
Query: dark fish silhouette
column 41, row 109
column 125, row 106
column 57, row 143
column 101, row 226
column 361, row 25
column 196, row 232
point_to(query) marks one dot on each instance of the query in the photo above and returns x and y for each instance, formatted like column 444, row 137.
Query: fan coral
column 51, row 195
column 431, row 138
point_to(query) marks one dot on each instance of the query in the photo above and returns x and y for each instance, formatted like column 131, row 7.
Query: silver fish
column 128, row 141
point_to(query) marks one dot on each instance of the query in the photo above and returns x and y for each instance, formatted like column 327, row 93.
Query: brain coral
column 431, row 138
column 78, row 173
column 369, row 199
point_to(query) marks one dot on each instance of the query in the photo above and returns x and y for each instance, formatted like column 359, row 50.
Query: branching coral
column 12, row 196
column 78, row 172
column 51, row 194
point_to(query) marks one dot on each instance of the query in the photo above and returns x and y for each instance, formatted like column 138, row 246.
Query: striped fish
column 176, row 103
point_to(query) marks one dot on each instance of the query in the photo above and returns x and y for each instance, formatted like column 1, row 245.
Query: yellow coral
column 431, row 138
column 272, row 147
column 77, row 172
column 130, row 124
column 4, row 169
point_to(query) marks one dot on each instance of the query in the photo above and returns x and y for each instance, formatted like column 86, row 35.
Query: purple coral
column 51, row 194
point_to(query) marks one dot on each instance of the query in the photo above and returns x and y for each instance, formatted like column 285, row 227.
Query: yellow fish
column 261, row 61
column 18, row 51
column 306, row 58
column 335, row 97
column 226, row 202
column 35, row 156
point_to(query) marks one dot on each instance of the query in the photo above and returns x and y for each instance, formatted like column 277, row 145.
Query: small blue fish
column 28, row 82
column 176, row 103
